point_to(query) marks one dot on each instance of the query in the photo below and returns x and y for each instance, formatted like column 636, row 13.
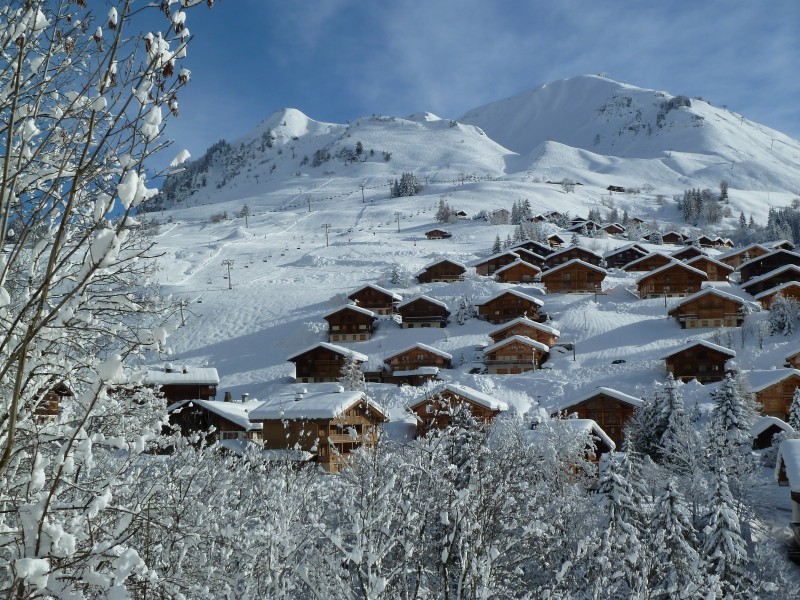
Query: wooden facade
column 617, row 259
column 771, row 280
column 514, row 355
column 495, row 262
column 774, row 390
column 220, row 421
column 350, row 324
column 613, row 229
column 518, row 271
column 531, row 257
column 687, row 253
column 572, row 253
column 790, row 289
column 438, row 234
column 673, row 280
column 527, row 328
column 766, row 263
column 375, row 298
column 555, row 240
column 184, row 383
column 708, row 308
column 423, row 312
column 436, row 410
column 573, row 277
column 699, row 360
column 49, row 407
column 609, row 408
column 714, row 269
column 650, row 262
column 509, row 305
column 737, row 257
column 672, row 237
column 322, row 362
column 765, row 429
column 418, row 355
column 533, row 246
column 442, row 271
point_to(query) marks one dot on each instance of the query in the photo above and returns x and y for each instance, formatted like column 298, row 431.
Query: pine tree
column 783, row 314
column 732, row 416
column 519, row 234
column 515, row 214
column 245, row 212
column 444, row 212
column 498, row 246
column 575, row 240
column 794, row 411
column 351, row 378
column 742, row 222
column 508, row 243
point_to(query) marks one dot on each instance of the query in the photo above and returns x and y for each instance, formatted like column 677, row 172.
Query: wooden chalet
column 438, row 234
column 571, row 253
column 619, row 257
column 765, row 428
column 615, row 188
column 533, row 246
column 771, row 280
column 714, row 269
column 500, row 215
column 330, row 425
column 515, row 354
column 508, row 305
column 489, row 265
column 584, row 225
column 183, row 383
column 736, row 257
column 350, row 323
column 675, row 279
column 322, row 362
column 704, row 241
column 416, row 365
column 529, row 256
column 435, row 410
column 687, row 253
column 672, row 237
column 555, row 240
column 761, row 265
column 699, row 360
column 49, row 405
column 608, row 407
column 782, row 244
column 709, row 307
column 375, row 298
column 613, row 228
column 574, row 277
column 790, row 289
column 423, row 311
column 636, row 221
column 525, row 327
column 774, row 390
column 787, row 472
column 442, row 271
column 650, row 262
column 518, row 271
column 230, row 421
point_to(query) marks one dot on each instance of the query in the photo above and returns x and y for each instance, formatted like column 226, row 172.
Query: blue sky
column 336, row 60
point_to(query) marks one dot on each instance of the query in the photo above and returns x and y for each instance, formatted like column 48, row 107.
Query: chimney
column 245, row 396
column 228, row 397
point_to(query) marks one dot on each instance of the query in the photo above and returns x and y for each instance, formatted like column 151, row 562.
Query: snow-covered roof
column 430, row 349
column 527, row 322
column 711, row 260
column 182, row 375
column 764, row 423
column 440, row 261
column 422, row 297
column 777, row 243
column 607, row 391
column 619, row 249
column 754, row 280
column 707, row 344
column 590, row 426
column 470, row 394
column 333, row 348
column 674, row 263
column 312, row 405
column 574, row 261
column 481, row 261
column 571, row 248
column 517, row 338
column 429, row 371
column 352, row 307
column 517, row 263
column 394, row 296
column 636, row 261
column 736, row 251
column 792, row 353
column 776, row 289
column 763, row 379
column 237, row 413
column 514, row 293
column 789, row 460
column 705, row 292
column 769, row 254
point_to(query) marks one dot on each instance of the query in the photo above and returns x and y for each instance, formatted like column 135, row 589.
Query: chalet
column 674, row 279
column 636, row 221
column 350, row 323
column 761, row 265
column 699, row 360
column 703, row 241
column 530, row 257
column 515, row 354
column 584, row 226
column 184, row 383
column 525, row 327
column 375, row 298
column 687, row 253
column 615, row 188
column 538, row 218
column 508, row 305
column 714, row 269
column 619, row 257
column 575, row 276
column 230, row 420
column 330, row 425
column 773, row 279
column 572, row 252
column 555, row 240
column 787, row 472
column 672, row 237
column 736, row 257
column 608, row 407
column 709, row 307
column 533, row 246
column 553, row 215
column 650, row 262
column 461, row 214
column 323, row 362
column 518, row 271
column 500, row 215
column 438, row 234
column 765, row 428
column 783, row 244
column 613, row 228
column 598, row 441
column 435, row 410
column 489, row 265
column 790, row 289
column 49, row 402
column 423, row 311
column 774, row 390
column 417, row 364
column 443, row 271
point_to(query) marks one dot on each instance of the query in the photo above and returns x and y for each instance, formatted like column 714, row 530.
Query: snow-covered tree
column 443, row 212
column 497, row 247
column 351, row 378
column 783, row 314
column 466, row 310
column 733, row 414
column 245, row 213
column 794, row 410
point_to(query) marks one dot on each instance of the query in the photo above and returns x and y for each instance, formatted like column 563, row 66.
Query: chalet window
column 334, row 328
column 702, row 368
column 566, row 277
column 362, row 326
column 231, row 435
column 715, row 367
column 420, row 356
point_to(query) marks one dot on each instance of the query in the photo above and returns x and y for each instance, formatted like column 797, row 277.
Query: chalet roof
column 576, row 426
column 764, row 423
column 736, row 251
column 789, row 460
column 378, row 288
column 574, row 261
column 763, row 379
column 440, row 261
column 466, row 392
column 645, row 257
column 526, row 243
column 430, row 349
column 571, row 248
column 480, row 261
column 792, row 353
column 674, row 263
column 782, row 269
column 352, row 307
column 333, row 348
column 237, row 413
column 513, row 293
column 705, row 292
column 606, row 391
column 182, row 375
column 620, row 249
column 529, row 323
column 770, row 254
column 555, row 236
column 707, row 344
column 711, row 260
column 517, row 263
column 422, row 297
column 517, row 338
column 776, row 289
column 427, row 371
column 312, row 405
column 615, row 224
column 777, row 243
